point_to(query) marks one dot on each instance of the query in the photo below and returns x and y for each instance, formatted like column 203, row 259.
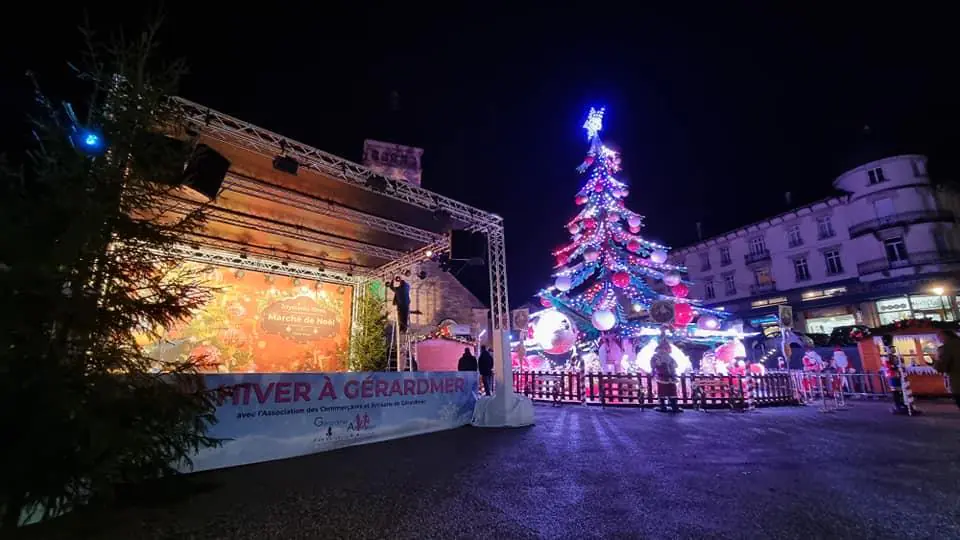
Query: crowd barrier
column 640, row 389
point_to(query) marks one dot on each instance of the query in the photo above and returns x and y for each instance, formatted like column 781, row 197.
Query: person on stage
column 401, row 299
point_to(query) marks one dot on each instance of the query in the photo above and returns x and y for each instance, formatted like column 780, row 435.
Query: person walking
column 485, row 364
column 948, row 361
column 467, row 362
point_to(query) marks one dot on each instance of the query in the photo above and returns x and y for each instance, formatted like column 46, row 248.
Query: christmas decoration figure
column 899, row 386
column 608, row 277
column 665, row 372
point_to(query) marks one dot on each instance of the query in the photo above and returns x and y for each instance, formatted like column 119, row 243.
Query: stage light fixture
column 286, row 164
column 422, row 274
column 429, row 253
column 406, row 273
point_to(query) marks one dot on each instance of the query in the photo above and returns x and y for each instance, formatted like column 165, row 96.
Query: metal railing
column 902, row 218
column 913, row 259
column 756, row 257
column 640, row 389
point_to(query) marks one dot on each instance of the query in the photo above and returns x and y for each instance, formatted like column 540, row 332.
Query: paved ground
column 591, row 473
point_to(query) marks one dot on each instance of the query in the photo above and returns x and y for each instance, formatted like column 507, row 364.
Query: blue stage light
column 88, row 141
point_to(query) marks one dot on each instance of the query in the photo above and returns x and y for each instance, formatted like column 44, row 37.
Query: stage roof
column 332, row 214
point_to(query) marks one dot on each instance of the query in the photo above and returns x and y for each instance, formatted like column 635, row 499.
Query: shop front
column 915, row 306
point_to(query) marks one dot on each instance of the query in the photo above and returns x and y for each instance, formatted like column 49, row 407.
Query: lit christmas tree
column 609, row 280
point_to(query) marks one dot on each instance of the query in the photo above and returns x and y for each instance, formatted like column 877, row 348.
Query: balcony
column 762, row 288
column 757, row 257
column 914, row 259
column 900, row 220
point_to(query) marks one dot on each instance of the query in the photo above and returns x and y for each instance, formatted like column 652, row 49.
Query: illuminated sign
column 769, row 301
column 824, row 293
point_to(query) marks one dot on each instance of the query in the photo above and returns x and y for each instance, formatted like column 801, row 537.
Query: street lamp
column 943, row 308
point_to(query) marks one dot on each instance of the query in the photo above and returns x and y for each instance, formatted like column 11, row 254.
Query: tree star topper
column 594, row 123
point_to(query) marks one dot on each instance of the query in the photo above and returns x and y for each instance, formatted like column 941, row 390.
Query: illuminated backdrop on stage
column 263, row 323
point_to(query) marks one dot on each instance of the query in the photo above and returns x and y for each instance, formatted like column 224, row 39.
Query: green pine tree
column 368, row 345
column 82, row 267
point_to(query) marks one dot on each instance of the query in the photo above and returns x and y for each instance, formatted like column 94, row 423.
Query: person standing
column 948, row 361
column 467, row 362
column 485, row 365
column 401, row 299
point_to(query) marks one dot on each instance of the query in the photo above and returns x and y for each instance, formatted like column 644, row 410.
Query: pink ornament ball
column 634, row 221
column 659, row 256
column 633, row 246
column 590, row 223
column 545, row 302
column 613, row 217
column 591, row 255
column 682, row 314
column 620, row 279
column 598, row 188
column 574, row 228
column 671, row 279
column 680, row 290
column 634, row 230
column 581, row 200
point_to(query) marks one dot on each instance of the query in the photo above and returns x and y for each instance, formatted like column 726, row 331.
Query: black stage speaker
column 205, row 171
column 468, row 246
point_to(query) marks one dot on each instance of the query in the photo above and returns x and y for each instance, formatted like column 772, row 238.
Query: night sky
column 717, row 111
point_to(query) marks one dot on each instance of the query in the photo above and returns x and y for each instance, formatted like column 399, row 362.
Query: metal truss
column 241, row 261
column 244, row 135
column 263, row 190
column 240, row 134
column 411, row 259
column 296, row 232
column 497, row 269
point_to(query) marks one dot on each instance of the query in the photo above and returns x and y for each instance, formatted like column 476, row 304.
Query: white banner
column 394, row 161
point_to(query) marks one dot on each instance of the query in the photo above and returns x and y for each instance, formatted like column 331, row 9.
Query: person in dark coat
column 467, row 362
column 401, row 299
column 485, row 365
column 948, row 361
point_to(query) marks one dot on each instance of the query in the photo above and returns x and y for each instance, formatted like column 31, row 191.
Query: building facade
column 888, row 249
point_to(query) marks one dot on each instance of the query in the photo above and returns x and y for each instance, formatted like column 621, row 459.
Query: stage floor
column 587, row 472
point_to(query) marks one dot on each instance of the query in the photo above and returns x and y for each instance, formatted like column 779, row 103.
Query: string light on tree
column 608, row 275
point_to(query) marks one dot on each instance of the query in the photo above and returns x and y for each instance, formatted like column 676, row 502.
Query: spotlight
column 406, row 272
column 286, row 164
column 429, row 253
column 88, row 141
column 422, row 274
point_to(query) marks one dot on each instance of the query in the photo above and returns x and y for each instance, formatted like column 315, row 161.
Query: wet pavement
column 590, row 473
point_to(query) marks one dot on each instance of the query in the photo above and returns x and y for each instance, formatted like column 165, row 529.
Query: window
column 762, row 276
column 896, row 250
column 800, row 269
column 834, row 264
column 876, row 176
column 705, row 261
column 824, row 227
column 708, row 291
column 724, row 256
column 757, row 246
column 884, row 207
column 729, row 285
column 793, row 236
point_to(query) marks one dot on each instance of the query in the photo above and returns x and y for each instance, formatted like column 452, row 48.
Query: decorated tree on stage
column 610, row 281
